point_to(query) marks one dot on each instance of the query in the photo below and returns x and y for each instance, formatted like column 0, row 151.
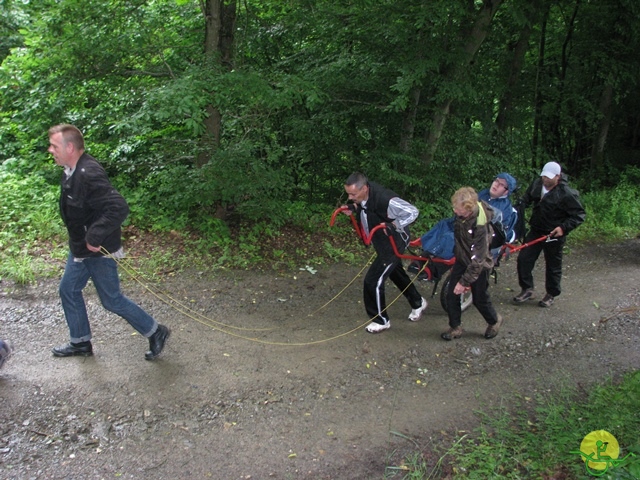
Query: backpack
column 439, row 241
column 498, row 235
column 520, row 228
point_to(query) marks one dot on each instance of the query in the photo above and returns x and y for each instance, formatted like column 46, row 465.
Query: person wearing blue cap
column 556, row 212
column 439, row 240
column 497, row 196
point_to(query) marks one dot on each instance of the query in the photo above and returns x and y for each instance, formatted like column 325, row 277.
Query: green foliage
column 19, row 268
column 30, row 222
column 29, row 210
column 314, row 91
column 338, row 254
column 178, row 197
column 537, row 438
column 612, row 213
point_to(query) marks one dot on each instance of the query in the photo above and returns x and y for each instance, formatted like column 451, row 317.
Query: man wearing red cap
column 556, row 212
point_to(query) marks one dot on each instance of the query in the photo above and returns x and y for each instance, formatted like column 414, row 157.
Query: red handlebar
column 353, row 221
column 515, row 248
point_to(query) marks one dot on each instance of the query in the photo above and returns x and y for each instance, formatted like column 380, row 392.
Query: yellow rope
column 347, row 286
column 222, row 326
column 172, row 302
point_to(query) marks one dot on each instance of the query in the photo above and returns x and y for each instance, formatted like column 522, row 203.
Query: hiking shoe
column 492, row 330
column 526, row 294
column 416, row 313
column 452, row 333
column 547, row 301
column 375, row 327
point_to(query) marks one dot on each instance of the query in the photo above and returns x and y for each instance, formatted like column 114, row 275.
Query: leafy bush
column 29, row 211
column 177, row 197
column 29, row 217
column 612, row 213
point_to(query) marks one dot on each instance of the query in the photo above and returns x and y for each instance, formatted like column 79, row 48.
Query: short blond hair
column 466, row 198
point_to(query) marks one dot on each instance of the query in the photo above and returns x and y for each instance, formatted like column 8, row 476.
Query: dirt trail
column 216, row 405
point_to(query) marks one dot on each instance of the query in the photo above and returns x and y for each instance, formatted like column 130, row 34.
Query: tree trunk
column 538, row 98
column 470, row 48
column 554, row 143
column 606, row 108
column 219, row 20
column 409, row 120
column 503, row 119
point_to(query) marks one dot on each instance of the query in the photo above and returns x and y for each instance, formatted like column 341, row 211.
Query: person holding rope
column 93, row 212
column 556, row 212
column 372, row 204
column 472, row 233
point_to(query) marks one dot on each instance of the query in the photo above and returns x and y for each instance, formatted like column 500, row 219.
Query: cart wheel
column 466, row 299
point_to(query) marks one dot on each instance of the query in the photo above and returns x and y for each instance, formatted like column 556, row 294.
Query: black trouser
column 553, row 263
column 480, row 292
column 387, row 265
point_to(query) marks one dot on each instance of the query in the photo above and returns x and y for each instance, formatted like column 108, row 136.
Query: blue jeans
column 104, row 273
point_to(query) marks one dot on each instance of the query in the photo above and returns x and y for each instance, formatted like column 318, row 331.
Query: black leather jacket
column 91, row 209
column 560, row 207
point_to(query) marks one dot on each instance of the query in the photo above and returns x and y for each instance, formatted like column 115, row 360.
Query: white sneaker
column 374, row 327
column 416, row 313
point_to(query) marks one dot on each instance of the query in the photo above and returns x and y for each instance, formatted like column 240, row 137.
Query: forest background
column 231, row 126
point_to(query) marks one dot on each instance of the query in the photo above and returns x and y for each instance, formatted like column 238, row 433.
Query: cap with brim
column 511, row 182
column 551, row 170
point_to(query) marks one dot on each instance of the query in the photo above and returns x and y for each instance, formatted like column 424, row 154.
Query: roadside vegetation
column 33, row 239
column 540, row 438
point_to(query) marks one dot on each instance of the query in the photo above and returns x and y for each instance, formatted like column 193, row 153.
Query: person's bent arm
column 401, row 212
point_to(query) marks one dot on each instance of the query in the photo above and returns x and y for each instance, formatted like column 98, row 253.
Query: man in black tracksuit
column 373, row 205
column 556, row 212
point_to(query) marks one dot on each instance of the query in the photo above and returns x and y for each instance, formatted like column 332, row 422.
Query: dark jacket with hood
column 560, row 207
column 92, row 210
column 473, row 237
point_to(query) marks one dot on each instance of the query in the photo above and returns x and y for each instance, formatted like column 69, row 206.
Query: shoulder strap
column 482, row 215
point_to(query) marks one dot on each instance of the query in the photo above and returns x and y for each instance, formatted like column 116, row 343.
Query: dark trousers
column 387, row 265
column 480, row 292
column 553, row 263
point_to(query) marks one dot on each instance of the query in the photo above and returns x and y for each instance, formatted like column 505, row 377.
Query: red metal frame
column 510, row 247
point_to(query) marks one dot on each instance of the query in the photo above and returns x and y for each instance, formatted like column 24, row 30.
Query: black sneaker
column 524, row 295
column 157, row 341
column 82, row 349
